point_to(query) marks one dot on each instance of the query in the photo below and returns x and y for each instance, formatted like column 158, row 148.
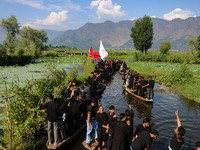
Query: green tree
column 11, row 26
column 193, row 45
column 165, row 47
column 142, row 34
column 30, row 36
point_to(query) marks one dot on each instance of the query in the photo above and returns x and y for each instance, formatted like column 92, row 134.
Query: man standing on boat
column 121, row 134
column 150, row 86
column 52, row 117
column 91, row 122
column 178, row 139
column 112, row 118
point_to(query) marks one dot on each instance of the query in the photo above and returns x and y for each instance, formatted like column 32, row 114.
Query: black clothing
column 120, row 136
column 140, row 128
column 101, row 120
column 76, row 110
column 142, row 141
column 111, row 122
column 131, row 124
column 92, row 109
column 151, row 84
column 174, row 144
column 52, row 110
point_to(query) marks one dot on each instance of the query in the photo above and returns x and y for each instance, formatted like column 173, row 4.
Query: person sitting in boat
column 143, row 140
column 178, row 139
column 91, row 122
column 52, row 117
column 102, row 120
column 145, row 126
column 112, row 118
column 198, row 145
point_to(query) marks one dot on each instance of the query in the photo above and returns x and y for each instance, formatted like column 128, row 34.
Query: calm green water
column 20, row 74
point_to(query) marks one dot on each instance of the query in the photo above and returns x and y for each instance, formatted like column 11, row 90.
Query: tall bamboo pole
column 9, row 121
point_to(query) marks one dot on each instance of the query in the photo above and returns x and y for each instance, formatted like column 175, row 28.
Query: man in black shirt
column 112, row 118
column 76, row 111
column 129, row 117
column 178, row 139
column 144, row 140
column 150, row 87
column 91, row 122
column 52, row 117
column 102, row 120
column 142, row 127
column 121, row 134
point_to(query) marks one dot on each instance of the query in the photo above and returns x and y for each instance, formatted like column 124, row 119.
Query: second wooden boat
column 136, row 96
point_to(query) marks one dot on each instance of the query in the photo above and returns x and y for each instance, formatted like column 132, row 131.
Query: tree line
column 22, row 44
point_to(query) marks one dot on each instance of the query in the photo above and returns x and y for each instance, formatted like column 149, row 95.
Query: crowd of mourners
column 82, row 107
column 136, row 83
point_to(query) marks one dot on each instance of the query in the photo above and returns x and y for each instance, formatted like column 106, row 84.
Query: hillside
column 117, row 35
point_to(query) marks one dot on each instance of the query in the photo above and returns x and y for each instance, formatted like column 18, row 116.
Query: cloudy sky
column 72, row 14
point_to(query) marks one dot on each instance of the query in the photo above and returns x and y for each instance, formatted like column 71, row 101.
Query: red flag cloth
column 94, row 55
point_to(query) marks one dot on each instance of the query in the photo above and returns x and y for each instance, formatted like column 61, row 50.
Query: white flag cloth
column 102, row 51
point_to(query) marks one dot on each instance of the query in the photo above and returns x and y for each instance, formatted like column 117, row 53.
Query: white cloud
column 107, row 10
column 133, row 19
column 33, row 3
column 178, row 13
column 50, row 4
column 153, row 16
column 53, row 20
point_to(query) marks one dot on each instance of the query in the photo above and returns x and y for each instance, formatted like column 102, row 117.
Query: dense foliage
column 165, row 47
column 20, row 45
column 29, row 123
column 142, row 34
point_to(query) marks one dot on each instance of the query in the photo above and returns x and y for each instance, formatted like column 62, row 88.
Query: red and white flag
column 102, row 51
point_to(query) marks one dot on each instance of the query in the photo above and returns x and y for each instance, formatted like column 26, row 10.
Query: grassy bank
column 182, row 79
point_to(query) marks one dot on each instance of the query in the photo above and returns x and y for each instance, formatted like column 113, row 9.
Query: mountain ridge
column 117, row 35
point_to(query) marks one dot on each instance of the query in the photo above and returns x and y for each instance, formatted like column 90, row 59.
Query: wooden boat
column 69, row 140
column 136, row 96
column 94, row 146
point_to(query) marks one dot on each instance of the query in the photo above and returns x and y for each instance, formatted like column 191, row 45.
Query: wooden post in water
column 9, row 121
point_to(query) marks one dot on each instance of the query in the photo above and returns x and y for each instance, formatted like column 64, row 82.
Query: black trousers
column 101, row 135
column 109, row 141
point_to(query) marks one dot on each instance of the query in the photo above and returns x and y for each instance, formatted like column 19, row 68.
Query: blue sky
column 72, row 14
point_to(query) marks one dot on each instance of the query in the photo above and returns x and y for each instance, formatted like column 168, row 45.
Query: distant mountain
column 51, row 34
column 117, row 35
